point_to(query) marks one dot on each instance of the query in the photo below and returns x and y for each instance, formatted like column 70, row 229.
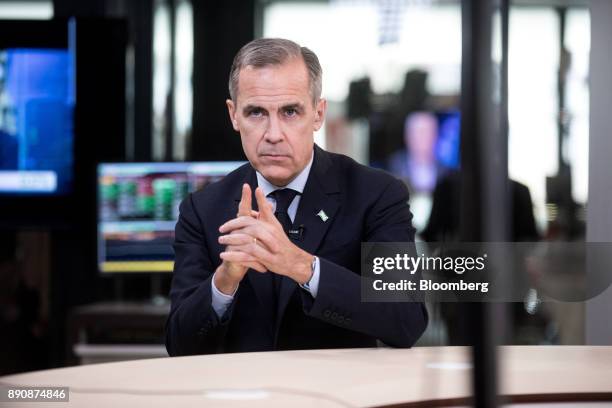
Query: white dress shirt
column 221, row 301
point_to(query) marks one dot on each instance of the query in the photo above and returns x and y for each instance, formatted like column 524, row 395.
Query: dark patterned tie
column 283, row 198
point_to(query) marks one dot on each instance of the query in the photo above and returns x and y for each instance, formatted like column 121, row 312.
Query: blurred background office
column 113, row 110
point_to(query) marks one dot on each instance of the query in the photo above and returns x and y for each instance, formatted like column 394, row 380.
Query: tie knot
column 283, row 198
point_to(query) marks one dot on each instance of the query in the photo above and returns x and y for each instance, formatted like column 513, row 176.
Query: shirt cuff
column 312, row 286
column 220, row 301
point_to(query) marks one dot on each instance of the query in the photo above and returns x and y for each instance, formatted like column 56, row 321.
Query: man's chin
column 279, row 176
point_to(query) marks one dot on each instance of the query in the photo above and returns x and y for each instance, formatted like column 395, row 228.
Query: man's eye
column 291, row 112
column 256, row 113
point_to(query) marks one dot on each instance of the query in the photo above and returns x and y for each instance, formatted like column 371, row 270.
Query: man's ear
column 320, row 110
column 231, row 108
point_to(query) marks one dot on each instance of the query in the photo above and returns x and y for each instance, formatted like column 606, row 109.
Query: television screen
column 37, row 99
column 431, row 149
column 447, row 146
column 138, row 206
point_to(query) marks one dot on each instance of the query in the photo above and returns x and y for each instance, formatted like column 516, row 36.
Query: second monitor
column 138, row 206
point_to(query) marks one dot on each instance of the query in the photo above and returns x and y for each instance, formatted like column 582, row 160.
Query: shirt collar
column 297, row 184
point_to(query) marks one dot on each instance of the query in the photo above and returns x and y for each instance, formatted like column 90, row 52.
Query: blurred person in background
column 416, row 164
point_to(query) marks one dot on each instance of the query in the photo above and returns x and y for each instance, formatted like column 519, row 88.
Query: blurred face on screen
column 420, row 134
column 276, row 118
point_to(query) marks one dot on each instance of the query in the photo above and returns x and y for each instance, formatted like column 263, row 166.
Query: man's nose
column 274, row 132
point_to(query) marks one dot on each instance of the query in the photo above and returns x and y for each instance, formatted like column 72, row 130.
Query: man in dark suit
column 285, row 274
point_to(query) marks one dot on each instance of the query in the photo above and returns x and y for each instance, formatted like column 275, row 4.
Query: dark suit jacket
column 363, row 204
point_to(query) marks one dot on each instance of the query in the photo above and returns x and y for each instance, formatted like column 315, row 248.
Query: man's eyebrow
column 250, row 108
column 296, row 106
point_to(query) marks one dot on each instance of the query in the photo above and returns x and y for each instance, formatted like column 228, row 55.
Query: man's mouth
column 274, row 156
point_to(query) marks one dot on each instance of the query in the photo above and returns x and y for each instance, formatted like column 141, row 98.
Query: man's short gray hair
column 264, row 52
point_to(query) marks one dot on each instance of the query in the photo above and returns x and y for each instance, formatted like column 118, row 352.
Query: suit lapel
column 320, row 194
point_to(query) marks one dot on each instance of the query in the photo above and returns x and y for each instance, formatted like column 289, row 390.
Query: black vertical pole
column 504, row 317
column 505, row 31
column 563, row 67
column 484, row 203
column 213, row 137
column 170, row 114
column 141, row 13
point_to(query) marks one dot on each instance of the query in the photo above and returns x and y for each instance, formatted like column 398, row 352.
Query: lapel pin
column 321, row 214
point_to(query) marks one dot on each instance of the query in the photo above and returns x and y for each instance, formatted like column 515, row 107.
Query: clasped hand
column 256, row 240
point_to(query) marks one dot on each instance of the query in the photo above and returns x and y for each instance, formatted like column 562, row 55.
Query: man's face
column 275, row 116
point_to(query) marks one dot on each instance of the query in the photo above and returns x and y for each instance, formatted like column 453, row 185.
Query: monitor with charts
column 138, row 206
